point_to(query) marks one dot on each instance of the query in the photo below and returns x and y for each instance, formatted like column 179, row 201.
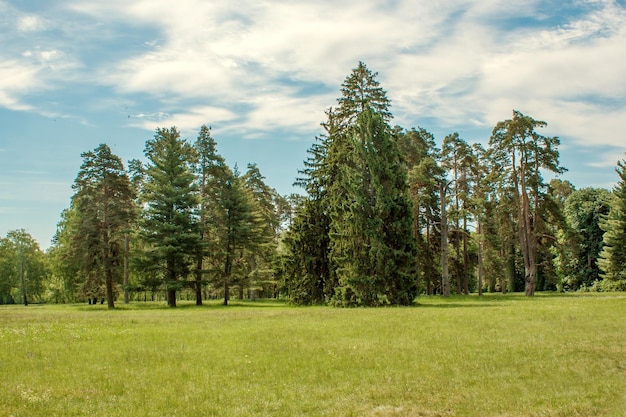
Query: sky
column 75, row 74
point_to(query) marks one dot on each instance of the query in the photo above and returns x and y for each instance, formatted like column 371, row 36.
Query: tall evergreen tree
column 267, row 203
column 612, row 260
column 525, row 154
column 371, row 235
column 241, row 226
column 170, row 223
column 420, row 153
column 103, row 201
column 458, row 158
column 356, row 183
column 212, row 172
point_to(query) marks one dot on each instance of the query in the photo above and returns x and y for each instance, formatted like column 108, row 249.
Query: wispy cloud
column 454, row 62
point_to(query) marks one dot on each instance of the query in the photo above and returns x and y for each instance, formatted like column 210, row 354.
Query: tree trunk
column 445, row 279
column 23, row 277
column 465, row 259
column 108, row 271
column 227, row 270
column 126, row 254
column 198, row 283
column 480, row 260
column 171, row 298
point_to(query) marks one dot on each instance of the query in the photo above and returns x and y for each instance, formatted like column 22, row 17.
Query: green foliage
column 23, row 269
column 582, row 239
column 104, row 208
column 612, row 260
column 371, row 228
column 169, row 225
column 351, row 241
column 524, row 154
column 417, row 146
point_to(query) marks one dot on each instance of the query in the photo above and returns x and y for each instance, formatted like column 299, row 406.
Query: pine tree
column 612, row 260
column 418, row 148
column 525, row 154
column 170, row 224
column 105, row 210
column 241, row 226
column 211, row 171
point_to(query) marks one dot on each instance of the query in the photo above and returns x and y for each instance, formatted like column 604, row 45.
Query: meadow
column 551, row 355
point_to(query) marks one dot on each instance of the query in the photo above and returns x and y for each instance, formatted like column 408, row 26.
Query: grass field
column 551, row 355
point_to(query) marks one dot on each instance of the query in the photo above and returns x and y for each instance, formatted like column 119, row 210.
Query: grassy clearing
column 494, row 356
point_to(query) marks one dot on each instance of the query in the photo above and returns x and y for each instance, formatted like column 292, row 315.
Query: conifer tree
column 105, row 210
column 420, row 153
column 359, row 204
column 241, row 225
column 612, row 260
column 212, row 172
column 170, row 226
column 524, row 154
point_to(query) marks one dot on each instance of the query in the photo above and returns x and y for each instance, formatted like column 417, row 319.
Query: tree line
column 385, row 215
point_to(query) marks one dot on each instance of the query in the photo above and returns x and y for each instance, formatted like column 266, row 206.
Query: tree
column 170, row 224
column 211, row 171
column 241, row 225
column 371, row 228
column 612, row 260
column 104, row 204
column 458, row 158
column 420, row 154
column 351, row 240
column 581, row 241
column 525, row 154
column 359, row 91
column 23, row 268
column 268, row 203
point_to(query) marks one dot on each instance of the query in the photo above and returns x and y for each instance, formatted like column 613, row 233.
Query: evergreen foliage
column 103, row 201
column 353, row 236
column 170, row 226
column 525, row 154
column 613, row 256
column 387, row 215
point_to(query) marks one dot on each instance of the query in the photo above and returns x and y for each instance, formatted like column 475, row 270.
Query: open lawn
column 551, row 355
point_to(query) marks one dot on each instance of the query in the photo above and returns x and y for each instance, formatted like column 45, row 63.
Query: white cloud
column 31, row 23
column 456, row 62
column 188, row 122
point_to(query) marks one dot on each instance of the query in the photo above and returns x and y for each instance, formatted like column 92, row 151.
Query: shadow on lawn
column 185, row 305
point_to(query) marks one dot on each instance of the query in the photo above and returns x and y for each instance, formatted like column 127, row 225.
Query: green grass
column 550, row 355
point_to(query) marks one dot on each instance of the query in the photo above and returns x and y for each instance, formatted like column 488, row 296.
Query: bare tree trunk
column 445, row 278
column 171, row 298
column 23, row 278
column 198, row 283
column 480, row 259
column 126, row 254
column 227, row 270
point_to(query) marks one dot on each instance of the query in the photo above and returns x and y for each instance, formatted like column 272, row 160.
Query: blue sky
column 74, row 74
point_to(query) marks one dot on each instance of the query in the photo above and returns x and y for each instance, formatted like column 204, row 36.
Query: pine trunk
column 445, row 278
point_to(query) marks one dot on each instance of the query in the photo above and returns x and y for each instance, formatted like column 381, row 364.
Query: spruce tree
column 612, row 260
column 170, row 224
column 354, row 233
